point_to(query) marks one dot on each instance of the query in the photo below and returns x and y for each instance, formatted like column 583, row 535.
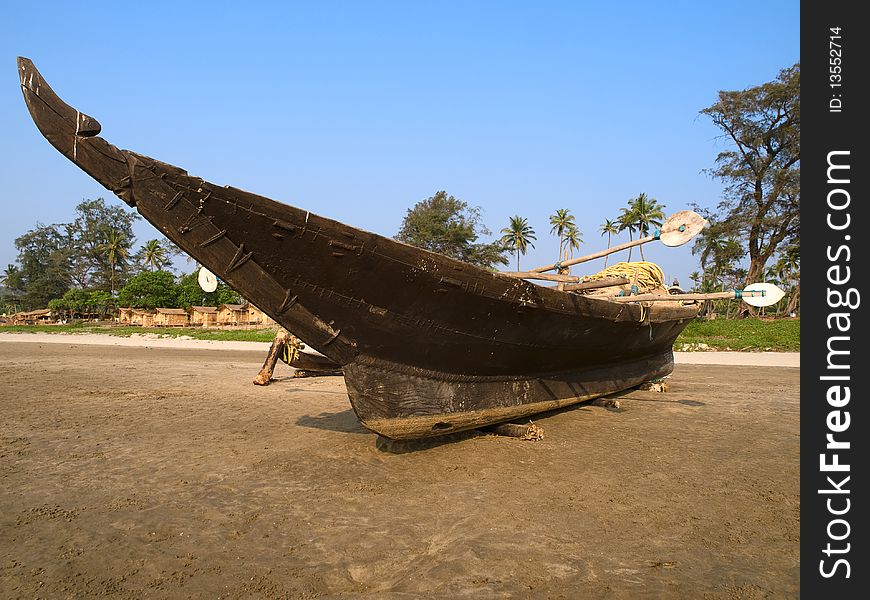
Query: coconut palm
column 562, row 220
column 518, row 236
column 117, row 250
column 646, row 212
column 695, row 276
column 573, row 239
column 154, row 255
column 626, row 222
column 610, row 228
column 10, row 276
column 788, row 271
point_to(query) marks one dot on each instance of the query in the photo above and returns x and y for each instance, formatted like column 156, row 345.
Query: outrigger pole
column 756, row 294
column 676, row 231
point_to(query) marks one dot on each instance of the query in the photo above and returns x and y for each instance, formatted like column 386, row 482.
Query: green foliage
column 518, row 236
column 156, row 255
column 76, row 303
column 43, row 270
column 782, row 335
column 150, row 289
column 101, row 240
column 190, row 294
column 100, row 302
column 609, row 228
column 562, row 221
column 641, row 213
column 447, row 225
column 761, row 167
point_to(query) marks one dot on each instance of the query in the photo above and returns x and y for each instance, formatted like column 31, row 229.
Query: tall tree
column 153, row 255
column 88, row 237
column 150, row 289
column 761, row 167
column 788, row 271
column 449, row 226
column 562, row 220
column 518, row 236
column 573, row 239
column 646, row 211
column 696, row 277
column 627, row 222
column 190, row 294
column 43, row 270
column 117, row 249
column 610, row 228
column 11, row 287
column 11, row 277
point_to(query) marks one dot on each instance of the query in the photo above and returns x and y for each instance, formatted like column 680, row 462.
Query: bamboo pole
column 542, row 276
column 595, row 284
column 678, row 229
column 594, row 255
column 681, row 297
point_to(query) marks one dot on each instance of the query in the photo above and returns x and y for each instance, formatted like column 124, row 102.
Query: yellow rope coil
column 647, row 276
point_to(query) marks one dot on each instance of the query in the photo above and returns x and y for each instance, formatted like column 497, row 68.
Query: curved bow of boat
column 71, row 131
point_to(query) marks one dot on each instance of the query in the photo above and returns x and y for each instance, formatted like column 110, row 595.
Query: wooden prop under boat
column 428, row 345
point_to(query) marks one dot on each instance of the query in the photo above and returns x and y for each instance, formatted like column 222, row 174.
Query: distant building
column 255, row 316
column 32, row 317
column 171, row 317
column 205, row 316
column 142, row 317
column 232, row 314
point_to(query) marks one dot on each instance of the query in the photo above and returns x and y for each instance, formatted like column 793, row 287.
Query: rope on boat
column 647, row 276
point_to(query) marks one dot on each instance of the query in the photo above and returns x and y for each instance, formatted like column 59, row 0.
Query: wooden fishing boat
column 428, row 345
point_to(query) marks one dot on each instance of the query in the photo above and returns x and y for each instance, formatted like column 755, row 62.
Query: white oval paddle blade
column 772, row 294
column 207, row 280
column 681, row 227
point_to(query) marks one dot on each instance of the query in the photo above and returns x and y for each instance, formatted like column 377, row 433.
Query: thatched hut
column 232, row 314
column 255, row 316
column 125, row 316
column 171, row 317
column 32, row 317
column 203, row 315
column 142, row 317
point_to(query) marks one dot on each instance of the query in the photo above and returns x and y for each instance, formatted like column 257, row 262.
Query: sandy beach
column 158, row 470
column 760, row 359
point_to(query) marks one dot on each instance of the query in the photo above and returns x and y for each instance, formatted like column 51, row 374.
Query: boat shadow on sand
column 346, row 421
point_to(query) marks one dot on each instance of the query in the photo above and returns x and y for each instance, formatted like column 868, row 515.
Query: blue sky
column 357, row 110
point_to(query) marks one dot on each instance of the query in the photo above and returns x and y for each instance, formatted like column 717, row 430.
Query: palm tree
column 788, row 269
column 626, row 221
column 10, row 276
column 518, row 236
column 562, row 220
column 610, row 228
column 117, row 249
column 695, row 276
column 573, row 239
column 646, row 211
column 154, row 255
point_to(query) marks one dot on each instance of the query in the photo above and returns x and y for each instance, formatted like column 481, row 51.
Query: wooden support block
column 654, row 386
column 606, row 402
column 525, row 431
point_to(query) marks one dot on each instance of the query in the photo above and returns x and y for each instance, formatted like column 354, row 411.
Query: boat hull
column 427, row 344
column 401, row 405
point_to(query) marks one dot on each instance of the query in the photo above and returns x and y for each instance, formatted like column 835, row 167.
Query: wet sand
column 132, row 472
